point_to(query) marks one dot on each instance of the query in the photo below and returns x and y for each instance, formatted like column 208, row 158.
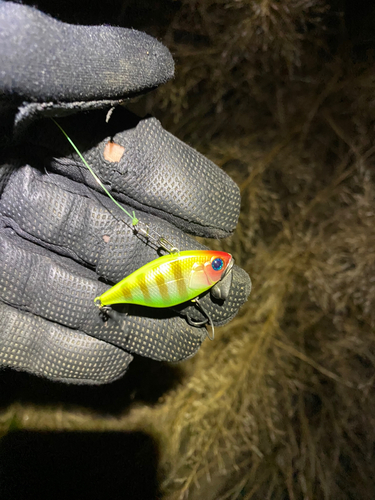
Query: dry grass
column 281, row 405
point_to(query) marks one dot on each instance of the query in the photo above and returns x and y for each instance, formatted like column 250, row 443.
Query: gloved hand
column 62, row 241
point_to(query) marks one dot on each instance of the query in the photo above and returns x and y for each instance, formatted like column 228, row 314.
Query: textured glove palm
column 62, row 242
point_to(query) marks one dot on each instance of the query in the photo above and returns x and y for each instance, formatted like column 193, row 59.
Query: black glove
column 62, row 241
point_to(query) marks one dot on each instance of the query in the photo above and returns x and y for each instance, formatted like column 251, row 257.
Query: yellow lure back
column 169, row 280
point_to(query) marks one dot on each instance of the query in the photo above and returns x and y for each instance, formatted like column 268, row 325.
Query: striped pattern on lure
column 170, row 280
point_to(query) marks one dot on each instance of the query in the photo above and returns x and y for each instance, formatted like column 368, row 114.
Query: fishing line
column 133, row 217
column 137, row 225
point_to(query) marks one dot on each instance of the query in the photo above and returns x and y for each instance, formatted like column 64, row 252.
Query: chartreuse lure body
column 170, row 280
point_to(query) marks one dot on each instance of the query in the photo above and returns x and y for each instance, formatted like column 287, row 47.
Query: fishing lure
column 168, row 280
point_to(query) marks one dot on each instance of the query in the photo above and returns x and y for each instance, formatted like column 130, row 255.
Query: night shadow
column 50, row 465
column 145, row 382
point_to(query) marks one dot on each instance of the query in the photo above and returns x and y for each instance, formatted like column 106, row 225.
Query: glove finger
column 156, row 173
column 59, row 290
column 65, row 219
column 43, row 59
column 30, row 343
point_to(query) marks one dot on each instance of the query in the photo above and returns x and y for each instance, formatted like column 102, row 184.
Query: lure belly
column 170, row 279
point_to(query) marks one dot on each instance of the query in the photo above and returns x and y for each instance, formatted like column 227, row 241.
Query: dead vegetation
column 281, row 405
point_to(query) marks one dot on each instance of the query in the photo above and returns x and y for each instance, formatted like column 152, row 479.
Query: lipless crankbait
column 170, row 280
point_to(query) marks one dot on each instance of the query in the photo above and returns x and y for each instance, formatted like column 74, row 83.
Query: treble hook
column 197, row 324
column 155, row 237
